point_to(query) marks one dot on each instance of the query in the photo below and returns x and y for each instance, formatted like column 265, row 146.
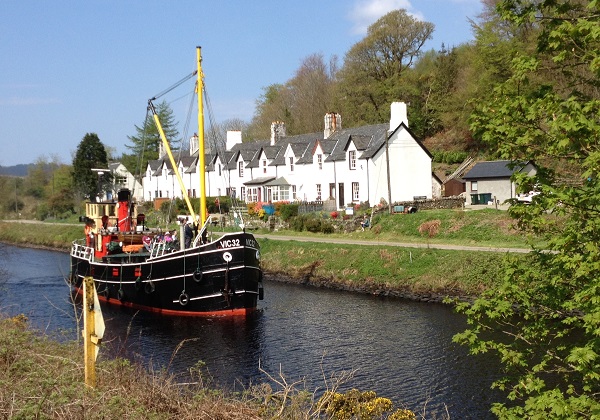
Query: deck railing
column 80, row 250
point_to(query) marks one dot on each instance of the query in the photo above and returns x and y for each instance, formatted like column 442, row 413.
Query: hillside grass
column 488, row 227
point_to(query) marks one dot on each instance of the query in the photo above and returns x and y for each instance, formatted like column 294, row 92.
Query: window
column 219, row 169
column 291, row 164
column 241, row 169
column 318, row 192
column 264, row 165
column 352, row 158
column 160, row 193
column 194, row 193
column 473, row 185
column 293, row 192
column 156, row 194
column 320, row 161
column 280, row 193
column 253, row 194
column 243, row 193
column 355, row 192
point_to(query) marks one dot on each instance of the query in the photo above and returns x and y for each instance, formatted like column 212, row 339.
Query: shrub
column 327, row 227
column 312, row 225
column 287, row 211
column 297, row 222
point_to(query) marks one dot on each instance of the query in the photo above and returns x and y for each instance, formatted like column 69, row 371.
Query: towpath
column 391, row 243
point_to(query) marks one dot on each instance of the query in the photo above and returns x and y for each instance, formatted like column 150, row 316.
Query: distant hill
column 16, row 170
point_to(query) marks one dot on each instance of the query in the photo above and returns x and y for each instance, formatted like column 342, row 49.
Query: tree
column 90, row 154
column 546, row 313
column 301, row 102
column 373, row 68
column 146, row 143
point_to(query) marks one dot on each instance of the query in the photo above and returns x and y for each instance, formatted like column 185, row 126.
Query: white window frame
column 474, row 186
column 241, row 169
column 291, row 164
column 352, row 159
column 355, row 191
column 318, row 192
column 320, row 161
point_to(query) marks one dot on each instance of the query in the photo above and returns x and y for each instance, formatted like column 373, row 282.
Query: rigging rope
column 219, row 145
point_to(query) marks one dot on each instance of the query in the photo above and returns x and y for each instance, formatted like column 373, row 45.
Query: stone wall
column 455, row 202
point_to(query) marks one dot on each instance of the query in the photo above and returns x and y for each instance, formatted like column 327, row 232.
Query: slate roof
column 260, row 181
column 368, row 140
column 494, row 169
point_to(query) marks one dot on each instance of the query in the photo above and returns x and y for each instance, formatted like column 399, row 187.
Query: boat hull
column 217, row 279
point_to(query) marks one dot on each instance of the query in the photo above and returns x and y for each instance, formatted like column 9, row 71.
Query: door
column 341, row 203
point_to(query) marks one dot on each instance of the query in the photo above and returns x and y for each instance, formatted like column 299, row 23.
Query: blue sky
column 73, row 67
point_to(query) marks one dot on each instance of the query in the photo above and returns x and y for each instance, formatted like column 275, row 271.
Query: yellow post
column 93, row 330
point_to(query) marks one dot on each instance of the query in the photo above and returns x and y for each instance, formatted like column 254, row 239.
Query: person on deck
column 188, row 234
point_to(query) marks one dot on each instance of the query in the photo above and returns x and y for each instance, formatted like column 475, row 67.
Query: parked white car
column 527, row 197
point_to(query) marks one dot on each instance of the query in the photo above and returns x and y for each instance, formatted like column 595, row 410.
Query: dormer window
column 241, row 169
column 320, row 161
column 352, row 159
column 264, row 165
column 291, row 164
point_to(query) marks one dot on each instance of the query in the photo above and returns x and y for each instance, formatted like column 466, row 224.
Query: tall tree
column 146, row 142
column 90, row 154
column 371, row 76
column 547, row 311
column 301, row 102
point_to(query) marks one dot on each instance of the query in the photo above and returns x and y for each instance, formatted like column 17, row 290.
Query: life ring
column 183, row 299
column 138, row 284
column 227, row 256
column 198, row 275
column 149, row 287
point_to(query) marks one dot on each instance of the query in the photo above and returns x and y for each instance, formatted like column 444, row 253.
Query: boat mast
column 201, row 163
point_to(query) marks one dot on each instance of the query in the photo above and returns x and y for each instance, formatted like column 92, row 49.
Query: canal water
column 402, row 350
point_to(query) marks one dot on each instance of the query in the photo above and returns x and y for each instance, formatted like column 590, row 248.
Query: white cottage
column 348, row 166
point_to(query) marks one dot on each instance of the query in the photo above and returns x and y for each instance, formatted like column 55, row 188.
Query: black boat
column 140, row 268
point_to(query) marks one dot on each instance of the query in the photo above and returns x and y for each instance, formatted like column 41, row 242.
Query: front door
column 341, row 195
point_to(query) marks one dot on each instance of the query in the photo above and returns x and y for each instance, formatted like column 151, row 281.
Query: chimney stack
column 194, row 144
column 398, row 115
column 277, row 131
column 233, row 137
column 333, row 122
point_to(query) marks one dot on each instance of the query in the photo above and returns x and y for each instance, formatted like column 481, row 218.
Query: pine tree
column 145, row 144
